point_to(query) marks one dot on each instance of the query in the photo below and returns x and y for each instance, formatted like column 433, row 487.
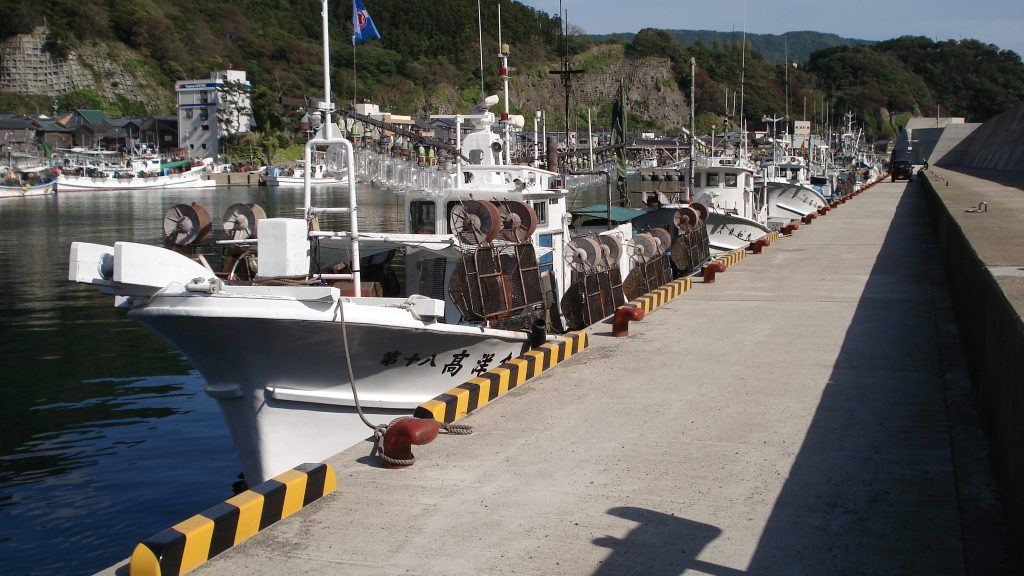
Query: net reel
column 518, row 221
column 187, row 225
column 474, row 222
column 241, row 221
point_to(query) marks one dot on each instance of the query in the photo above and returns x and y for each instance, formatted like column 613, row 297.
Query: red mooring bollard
column 710, row 270
column 788, row 229
column 620, row 322
column 759, row 244
column 808, row 217
column 823, row 210
column 398, row 440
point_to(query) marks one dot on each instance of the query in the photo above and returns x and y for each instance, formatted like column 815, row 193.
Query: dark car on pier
column 901, row 170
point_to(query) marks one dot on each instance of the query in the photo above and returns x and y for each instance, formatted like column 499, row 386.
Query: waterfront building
column 210, row 109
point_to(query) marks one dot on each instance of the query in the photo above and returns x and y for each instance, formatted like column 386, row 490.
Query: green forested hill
column 775, row 48
column 428, row 59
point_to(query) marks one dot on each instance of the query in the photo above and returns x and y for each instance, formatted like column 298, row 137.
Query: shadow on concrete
column 660, row 545
column 873, row 489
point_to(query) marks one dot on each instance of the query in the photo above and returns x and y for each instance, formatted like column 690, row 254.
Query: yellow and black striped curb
column 662, row 295
column 475, row 392
column 773, row 236
column 188, row 544
column 730, row 258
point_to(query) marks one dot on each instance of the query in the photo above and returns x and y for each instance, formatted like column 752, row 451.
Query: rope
column 380, row 429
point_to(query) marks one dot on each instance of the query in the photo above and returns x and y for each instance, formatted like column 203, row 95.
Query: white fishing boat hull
column 276, row 365
column 788, row 202
column 728, row 232
column 46, row 189
column 194, row 178
column 274, row 356
column 297, row 181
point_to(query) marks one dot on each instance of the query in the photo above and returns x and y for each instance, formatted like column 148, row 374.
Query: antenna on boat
column 326, row 105
column 480, row 31
column 503, row 50
column 743, row 70
column 565, row 72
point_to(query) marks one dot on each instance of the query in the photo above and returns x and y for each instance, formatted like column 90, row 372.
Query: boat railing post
column 352, row 202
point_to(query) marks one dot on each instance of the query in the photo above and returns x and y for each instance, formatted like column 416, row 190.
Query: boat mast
column 325, row 106
column 693, row 126
column 503, row 50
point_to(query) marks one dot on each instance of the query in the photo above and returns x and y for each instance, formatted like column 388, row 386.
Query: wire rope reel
column 644, row 247
column 664, row 240
column 241, row 221
column 518, row 221
column 702, row 211
column 475, row 222
column 611, row 249
column 686, row 219
column 584, row 254
column 185, row 225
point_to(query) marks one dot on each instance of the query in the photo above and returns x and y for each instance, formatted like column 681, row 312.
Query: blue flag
column 362, row 24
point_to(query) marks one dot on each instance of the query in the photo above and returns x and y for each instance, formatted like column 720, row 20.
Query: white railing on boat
column 310, row 210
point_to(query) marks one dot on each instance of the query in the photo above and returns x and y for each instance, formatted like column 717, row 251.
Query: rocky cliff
column 112, row 70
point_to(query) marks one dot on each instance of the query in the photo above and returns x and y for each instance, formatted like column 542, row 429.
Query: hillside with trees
column 428, row 61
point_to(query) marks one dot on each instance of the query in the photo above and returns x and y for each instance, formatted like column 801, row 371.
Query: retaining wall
column 987, row 308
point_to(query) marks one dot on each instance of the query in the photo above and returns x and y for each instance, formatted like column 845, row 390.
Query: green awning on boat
column 173, row 165
column 619, row 214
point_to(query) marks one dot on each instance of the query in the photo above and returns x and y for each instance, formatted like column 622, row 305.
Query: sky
column 999, row 22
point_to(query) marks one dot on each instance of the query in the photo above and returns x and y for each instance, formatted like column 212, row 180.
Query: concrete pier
column 808, row 413
column 236, row 178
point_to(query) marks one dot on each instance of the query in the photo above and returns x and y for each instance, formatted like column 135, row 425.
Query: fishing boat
column 98, row 170
column 724, row 197
column 292, row 353
column 309, row 339
column 321, row 173
column 23, row 182
column 789, row 189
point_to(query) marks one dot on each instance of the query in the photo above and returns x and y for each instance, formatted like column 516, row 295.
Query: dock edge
column 190, row 543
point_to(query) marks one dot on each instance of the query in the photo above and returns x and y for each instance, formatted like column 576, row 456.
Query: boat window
column 713, row 179
column 541, row 208
column 795, row 172
column 422, row 216
column 204, row 114
column 206, row 126
column 188, row 113
column 730, row 180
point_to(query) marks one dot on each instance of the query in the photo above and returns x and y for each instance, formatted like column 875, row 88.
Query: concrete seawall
column 982, row 251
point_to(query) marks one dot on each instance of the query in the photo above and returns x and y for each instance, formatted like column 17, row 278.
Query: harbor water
column 106, row 434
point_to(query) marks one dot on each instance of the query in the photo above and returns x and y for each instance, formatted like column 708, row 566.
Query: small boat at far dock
column 19, row 183
column 320, row 174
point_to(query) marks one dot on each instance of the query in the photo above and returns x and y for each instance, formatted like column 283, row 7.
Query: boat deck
column 808, row 413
